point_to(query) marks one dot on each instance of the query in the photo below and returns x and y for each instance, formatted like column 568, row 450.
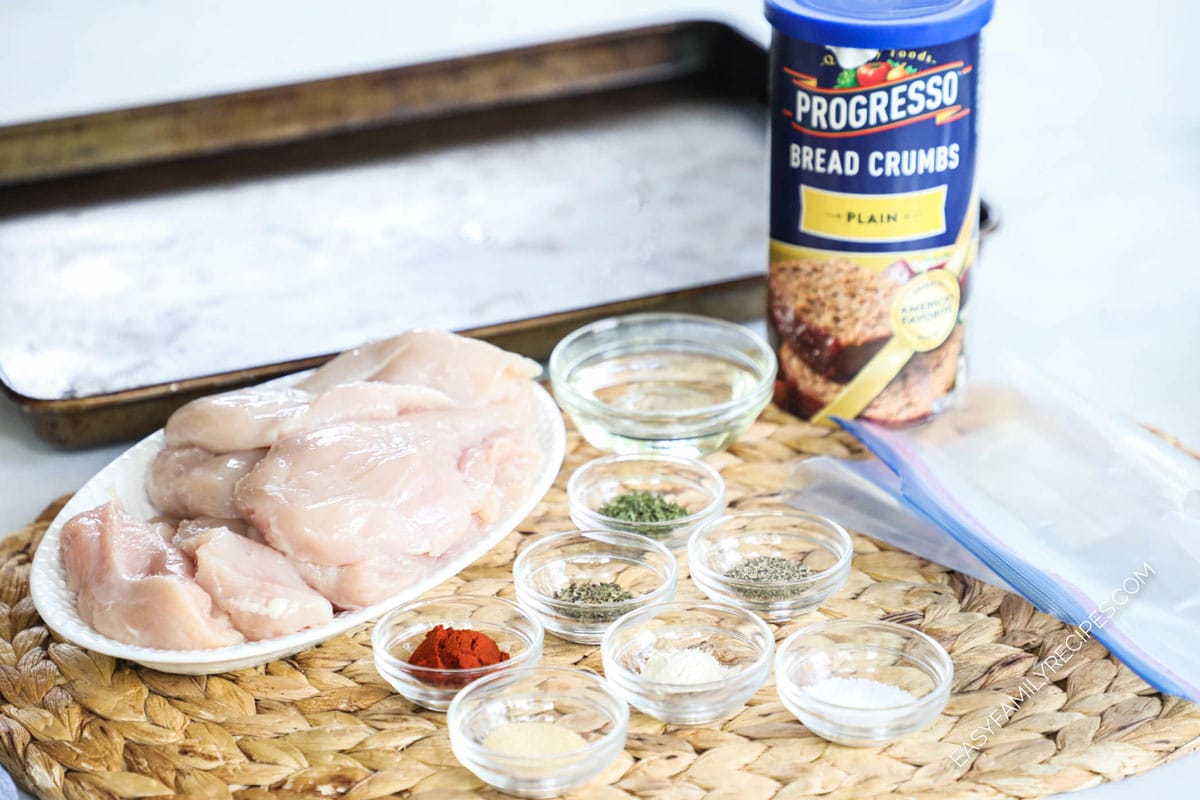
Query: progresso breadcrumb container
column 874, row 208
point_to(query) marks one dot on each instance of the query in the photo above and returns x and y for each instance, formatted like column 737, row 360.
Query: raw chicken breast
column 498, row 469
column 367, row 582
column 194, row 527
column 107, row 542
column 162, row 611
column 254, row 418
column 348, row 493
column 354, row 492
column 193, row 482
column 258, row 587
column 354, row 365
column 471, row 372
column 244, row 419
column 134, row 586
column 369, row 401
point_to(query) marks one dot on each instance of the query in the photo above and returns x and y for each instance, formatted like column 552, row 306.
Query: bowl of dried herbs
column 661, row 497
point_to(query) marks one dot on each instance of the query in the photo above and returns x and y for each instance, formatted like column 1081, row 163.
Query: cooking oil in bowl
column 662, row 382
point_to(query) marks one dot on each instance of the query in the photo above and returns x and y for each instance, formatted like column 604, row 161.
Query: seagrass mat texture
column 76, row 724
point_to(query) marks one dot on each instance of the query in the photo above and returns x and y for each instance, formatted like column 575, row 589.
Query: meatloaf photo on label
column 832, row 313
column 911, row 396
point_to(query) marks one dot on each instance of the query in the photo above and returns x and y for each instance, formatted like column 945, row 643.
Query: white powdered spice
column 533, row 739
column 858, row 693
column 683, row 667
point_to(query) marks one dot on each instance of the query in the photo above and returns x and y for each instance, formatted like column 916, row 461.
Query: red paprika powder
column 457, row 648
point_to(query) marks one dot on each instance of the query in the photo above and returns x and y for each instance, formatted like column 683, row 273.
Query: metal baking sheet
column 639, row 173
column 229, row 274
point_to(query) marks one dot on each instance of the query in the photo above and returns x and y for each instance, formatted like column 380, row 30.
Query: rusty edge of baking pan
column 276, row 115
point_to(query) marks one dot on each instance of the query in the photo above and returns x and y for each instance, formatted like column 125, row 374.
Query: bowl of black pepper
column 778, row 564
column 577, row 583
column 660, row 497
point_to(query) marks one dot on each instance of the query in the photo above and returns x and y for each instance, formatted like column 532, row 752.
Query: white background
column 1090, row 149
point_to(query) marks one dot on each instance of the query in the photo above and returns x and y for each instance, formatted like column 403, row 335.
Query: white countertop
column 1090, row 149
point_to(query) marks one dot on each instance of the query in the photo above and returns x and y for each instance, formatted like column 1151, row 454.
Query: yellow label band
column 894, row 217
column 923, row 318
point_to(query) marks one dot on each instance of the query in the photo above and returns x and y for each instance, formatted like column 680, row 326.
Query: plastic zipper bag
column 1090, row 518
column 865, row 496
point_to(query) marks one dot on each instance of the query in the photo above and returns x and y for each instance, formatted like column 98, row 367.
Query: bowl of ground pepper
column 660, row 497
column 431, row 648
column 576, row 583
column 778, row 564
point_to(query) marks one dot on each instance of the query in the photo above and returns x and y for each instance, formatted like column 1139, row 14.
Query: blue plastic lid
column 879, row 23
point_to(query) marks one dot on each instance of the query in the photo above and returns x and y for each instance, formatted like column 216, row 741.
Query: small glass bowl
column 575, row 699
column 646, row 568
column 739, row 640
column 879, row 651
column 667, row 383
column 398, row 633
column 819, row 543
column 692, row 484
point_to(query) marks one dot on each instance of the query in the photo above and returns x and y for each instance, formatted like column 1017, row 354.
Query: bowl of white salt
column 862, row 683
column 688, row 663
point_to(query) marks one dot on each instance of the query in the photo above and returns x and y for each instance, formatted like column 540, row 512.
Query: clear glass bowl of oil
column 666, row 383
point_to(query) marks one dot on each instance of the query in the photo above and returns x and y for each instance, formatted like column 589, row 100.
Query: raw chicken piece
column 244, row 419
column 252, row 418
column 193, row 482
column 106, row 542
column 471, row 372
column 134, row 586
column 369, row 401
column 194, row 527
column 367, row 582
column 258, row 587
column 498, row 469
column 162, row 611
column 353, row 492
column 354, row 365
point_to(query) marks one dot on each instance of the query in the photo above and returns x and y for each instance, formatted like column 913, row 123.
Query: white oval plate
column 125, row 480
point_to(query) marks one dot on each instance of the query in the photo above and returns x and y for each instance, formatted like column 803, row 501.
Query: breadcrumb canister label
column 874, row 220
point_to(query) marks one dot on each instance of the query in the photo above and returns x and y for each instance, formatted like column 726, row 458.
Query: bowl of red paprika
column 429, row 649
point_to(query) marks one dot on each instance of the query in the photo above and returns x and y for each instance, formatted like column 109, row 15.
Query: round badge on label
column 926, row 310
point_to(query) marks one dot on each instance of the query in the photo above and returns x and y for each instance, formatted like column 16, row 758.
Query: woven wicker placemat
column 77, row 724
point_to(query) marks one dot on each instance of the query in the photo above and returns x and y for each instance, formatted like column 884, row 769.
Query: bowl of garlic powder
column 539, row 731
